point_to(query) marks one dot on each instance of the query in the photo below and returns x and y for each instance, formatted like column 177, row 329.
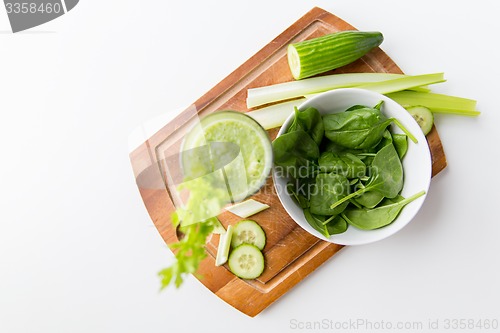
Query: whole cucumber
column 321, row 54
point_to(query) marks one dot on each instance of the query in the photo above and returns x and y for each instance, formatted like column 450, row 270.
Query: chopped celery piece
column 247, row 208
column 224, row 245
column 288, row 90
column 274, row 115
column 438, row 103
column 385, row 87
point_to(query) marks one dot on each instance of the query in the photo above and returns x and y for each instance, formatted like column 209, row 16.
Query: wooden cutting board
column 291, row 253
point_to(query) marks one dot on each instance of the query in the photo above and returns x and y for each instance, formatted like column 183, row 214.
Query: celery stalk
column 385, row 87
column 247, row 208
column 438, row 103
column 421, row 89
column 274, row 115
column 224, row 245
column 288, row 90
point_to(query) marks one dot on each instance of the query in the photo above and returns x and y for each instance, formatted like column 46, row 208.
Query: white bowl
column 417, row 164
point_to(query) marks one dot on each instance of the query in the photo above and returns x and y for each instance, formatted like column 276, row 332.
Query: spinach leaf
column 309, row 121
column 351, row 129
column 316, row 222
column 400, row 142
column 387, row 172
column 327, row 145
column 386, row 140
column 299, row 197
column 358, row 106
column 360, row 128
column 355, row 107
column 369, row 199
column 327, row 226
column 345, row 164
column 385, row 214
column 294, row 148
column 337, row 225
column 361, row 138
column 358, row 118
column 329, row 188
column 386, row 176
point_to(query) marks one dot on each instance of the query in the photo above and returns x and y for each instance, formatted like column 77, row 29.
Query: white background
column 78, row 252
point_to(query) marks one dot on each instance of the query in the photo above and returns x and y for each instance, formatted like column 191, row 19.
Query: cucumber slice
column 246, row 262
column 248, row 232
column 423, row 116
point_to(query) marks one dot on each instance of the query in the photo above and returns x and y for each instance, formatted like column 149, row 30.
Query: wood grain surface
column 291, row 253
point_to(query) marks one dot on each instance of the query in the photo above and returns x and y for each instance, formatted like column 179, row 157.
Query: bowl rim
column 392, row 228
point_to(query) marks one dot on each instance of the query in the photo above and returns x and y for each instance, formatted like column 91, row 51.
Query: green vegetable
column 224, row 245
column 437, row 103
column 293, row 89
column 326, row 225
column 309, row 121
column 387, row 172
column 360, row 169
column 321, row 54
column 316, row 222
column 400, row 142
column 386, row 178
column 246, row 261
column 196, row 220
column 369, row 219
column 403, row 83
column 423, row 117
column 386, row 140
column 383, row 83
column 337, row 225
column 343, row 163
column 359, row 128
column 329, row 187
column 247, row 208
column 274, row 115
column 369, row 199
column 294, row 149
column 294, row 146
column 299, row 197
column 189, row 252
column 248, row 232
